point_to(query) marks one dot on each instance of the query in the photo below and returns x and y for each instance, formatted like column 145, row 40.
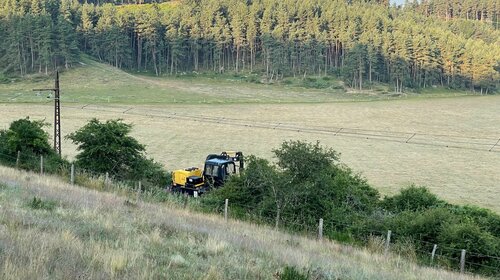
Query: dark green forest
column 448, row 43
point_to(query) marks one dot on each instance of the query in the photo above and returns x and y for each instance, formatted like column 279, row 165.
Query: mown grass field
column 76, row 233
column 93, row 82
column 212, row 115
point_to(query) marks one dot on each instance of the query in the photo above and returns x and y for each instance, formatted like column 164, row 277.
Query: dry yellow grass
column 94, row 235
column 461, row 176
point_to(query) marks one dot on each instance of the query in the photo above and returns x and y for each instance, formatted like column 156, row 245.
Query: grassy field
column 93, row 82
column 466, row 174
column 449, row 152
column 73, row 233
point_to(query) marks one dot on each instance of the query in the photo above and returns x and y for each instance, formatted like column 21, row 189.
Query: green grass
column 39, row 204
column 93, row 82
column 98, row 235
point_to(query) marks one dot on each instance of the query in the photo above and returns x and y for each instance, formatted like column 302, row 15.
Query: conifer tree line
column 483, row 10
column 364, row 42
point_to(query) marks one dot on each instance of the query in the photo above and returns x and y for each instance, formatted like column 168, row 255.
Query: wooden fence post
column 18, row 160
column 41, row 165
column 462, row 262
column 226, row 205
column 320, row 229
column 388, row 241
column 186, row 200
column 433, row 253
column 106, row 179
column 139, row 187
column 72, row 176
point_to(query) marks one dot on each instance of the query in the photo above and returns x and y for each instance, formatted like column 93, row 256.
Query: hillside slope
column 95, row 82
column 74, row 233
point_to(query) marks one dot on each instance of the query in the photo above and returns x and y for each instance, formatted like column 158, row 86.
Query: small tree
column 28, row 137
column 107, row 147
column 25, row 136
column 303, row 160
column 319, row 186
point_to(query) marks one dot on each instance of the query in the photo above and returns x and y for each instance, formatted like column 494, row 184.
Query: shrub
column 3, row 79
column 25, row 136
column 291, row 273
column 304, row 160
column 107, row 147
column 484, row 218
column 472, row 238
column 411, row 199
column 253, row 79
column 306, row 183
column 453, row 228
column 29, row 138
column 315, row 83
column 425, row 225
column 39, row 204
column 287, row 82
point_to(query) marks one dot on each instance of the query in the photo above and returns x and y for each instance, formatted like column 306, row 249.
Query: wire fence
column 429, row 251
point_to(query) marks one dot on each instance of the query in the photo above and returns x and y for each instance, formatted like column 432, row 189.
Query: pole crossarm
column 44, row 89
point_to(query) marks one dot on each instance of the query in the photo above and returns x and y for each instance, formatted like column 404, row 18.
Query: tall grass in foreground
column 87, row 234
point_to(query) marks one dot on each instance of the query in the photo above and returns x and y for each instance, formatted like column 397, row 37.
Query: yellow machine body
column 180, row 177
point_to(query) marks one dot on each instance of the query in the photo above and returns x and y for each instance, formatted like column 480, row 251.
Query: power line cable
column 344, row 133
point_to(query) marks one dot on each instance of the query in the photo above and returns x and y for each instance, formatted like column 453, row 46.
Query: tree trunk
column 154, row 61
column 360, row 74
column 116, row 53
column 32, row 53
column 196, row 57
column 237, row 58
column 139, row 52
column 171, row 62
column 370, row 71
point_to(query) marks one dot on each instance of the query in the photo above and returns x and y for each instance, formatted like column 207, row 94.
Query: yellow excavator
column 217, row 169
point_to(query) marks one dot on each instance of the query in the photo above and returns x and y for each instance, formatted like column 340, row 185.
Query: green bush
column 315, row 83
column 253, row 79
column 3, row 79
column 486, row 219
column 291, row 273
column 26, row 136
column 452, row 227
column 479, row 243
column 287, row 82
column 306, row 183
column 411, row 199
column 29, row 138
column 39, row 204
column 108, row 147
column 425, row 225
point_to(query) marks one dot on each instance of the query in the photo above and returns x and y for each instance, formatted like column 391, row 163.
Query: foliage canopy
column 29, row 139
column 108, row 147
column 435, row 43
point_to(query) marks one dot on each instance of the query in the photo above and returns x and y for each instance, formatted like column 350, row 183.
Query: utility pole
column 57, row 114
